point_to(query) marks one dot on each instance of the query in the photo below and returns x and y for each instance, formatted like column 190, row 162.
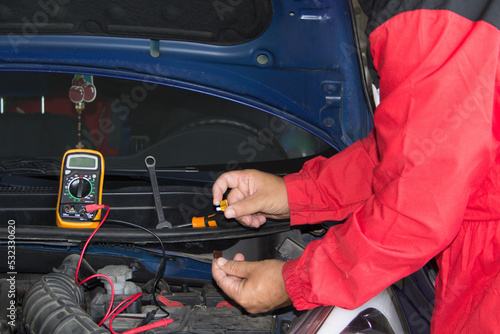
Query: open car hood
column 295, row 59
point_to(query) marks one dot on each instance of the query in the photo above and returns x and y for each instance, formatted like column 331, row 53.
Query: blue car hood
column 302, row 65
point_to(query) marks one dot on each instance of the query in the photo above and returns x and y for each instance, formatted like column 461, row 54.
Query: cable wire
column 93, row 208
column 159, row 274
column 161, row 267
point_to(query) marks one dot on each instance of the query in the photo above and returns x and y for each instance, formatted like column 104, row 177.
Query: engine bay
column 55, row 304
column 47, row 299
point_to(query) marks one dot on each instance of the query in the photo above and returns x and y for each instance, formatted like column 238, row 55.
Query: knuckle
column 232, row 265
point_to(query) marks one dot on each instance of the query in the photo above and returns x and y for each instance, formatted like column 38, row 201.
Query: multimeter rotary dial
column 80, row 187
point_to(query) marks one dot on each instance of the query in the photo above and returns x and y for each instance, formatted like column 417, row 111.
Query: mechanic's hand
column 254, row 196
column 256, row 286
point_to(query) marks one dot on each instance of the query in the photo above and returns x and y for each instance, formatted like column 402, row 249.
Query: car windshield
column 45, row 114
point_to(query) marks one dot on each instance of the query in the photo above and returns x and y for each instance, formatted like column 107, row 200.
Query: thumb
column 241, row 269
column 244, row 207
column 247, row 211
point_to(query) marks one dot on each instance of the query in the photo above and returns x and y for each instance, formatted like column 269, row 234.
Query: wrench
column 150, row 164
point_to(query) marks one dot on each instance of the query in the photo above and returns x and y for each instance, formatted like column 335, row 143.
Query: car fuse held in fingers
column 222, row 205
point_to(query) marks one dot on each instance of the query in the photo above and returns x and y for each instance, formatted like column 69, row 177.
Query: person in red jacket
column 425, row 183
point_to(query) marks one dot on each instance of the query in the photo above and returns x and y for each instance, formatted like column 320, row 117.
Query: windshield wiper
column 30, row 166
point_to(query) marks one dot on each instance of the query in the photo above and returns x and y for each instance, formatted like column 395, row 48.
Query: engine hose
column 52, row 306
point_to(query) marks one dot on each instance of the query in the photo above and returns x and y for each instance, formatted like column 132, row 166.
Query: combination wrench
column 150, row 164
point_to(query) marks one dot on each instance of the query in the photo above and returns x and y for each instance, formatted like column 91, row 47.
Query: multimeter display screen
column 81, row 161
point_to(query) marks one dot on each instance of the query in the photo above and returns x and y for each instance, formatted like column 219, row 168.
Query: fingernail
column 221, row 261
column 230, row 213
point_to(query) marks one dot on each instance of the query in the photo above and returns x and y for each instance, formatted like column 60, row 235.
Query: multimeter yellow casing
column 82, row 174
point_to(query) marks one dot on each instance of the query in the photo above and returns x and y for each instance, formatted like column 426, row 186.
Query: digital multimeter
column 82, row 174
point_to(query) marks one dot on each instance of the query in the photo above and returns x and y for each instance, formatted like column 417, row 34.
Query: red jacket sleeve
column 407, row 184
column 331, row 189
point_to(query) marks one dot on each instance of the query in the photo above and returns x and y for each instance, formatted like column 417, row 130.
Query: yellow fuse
column 222, row 205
